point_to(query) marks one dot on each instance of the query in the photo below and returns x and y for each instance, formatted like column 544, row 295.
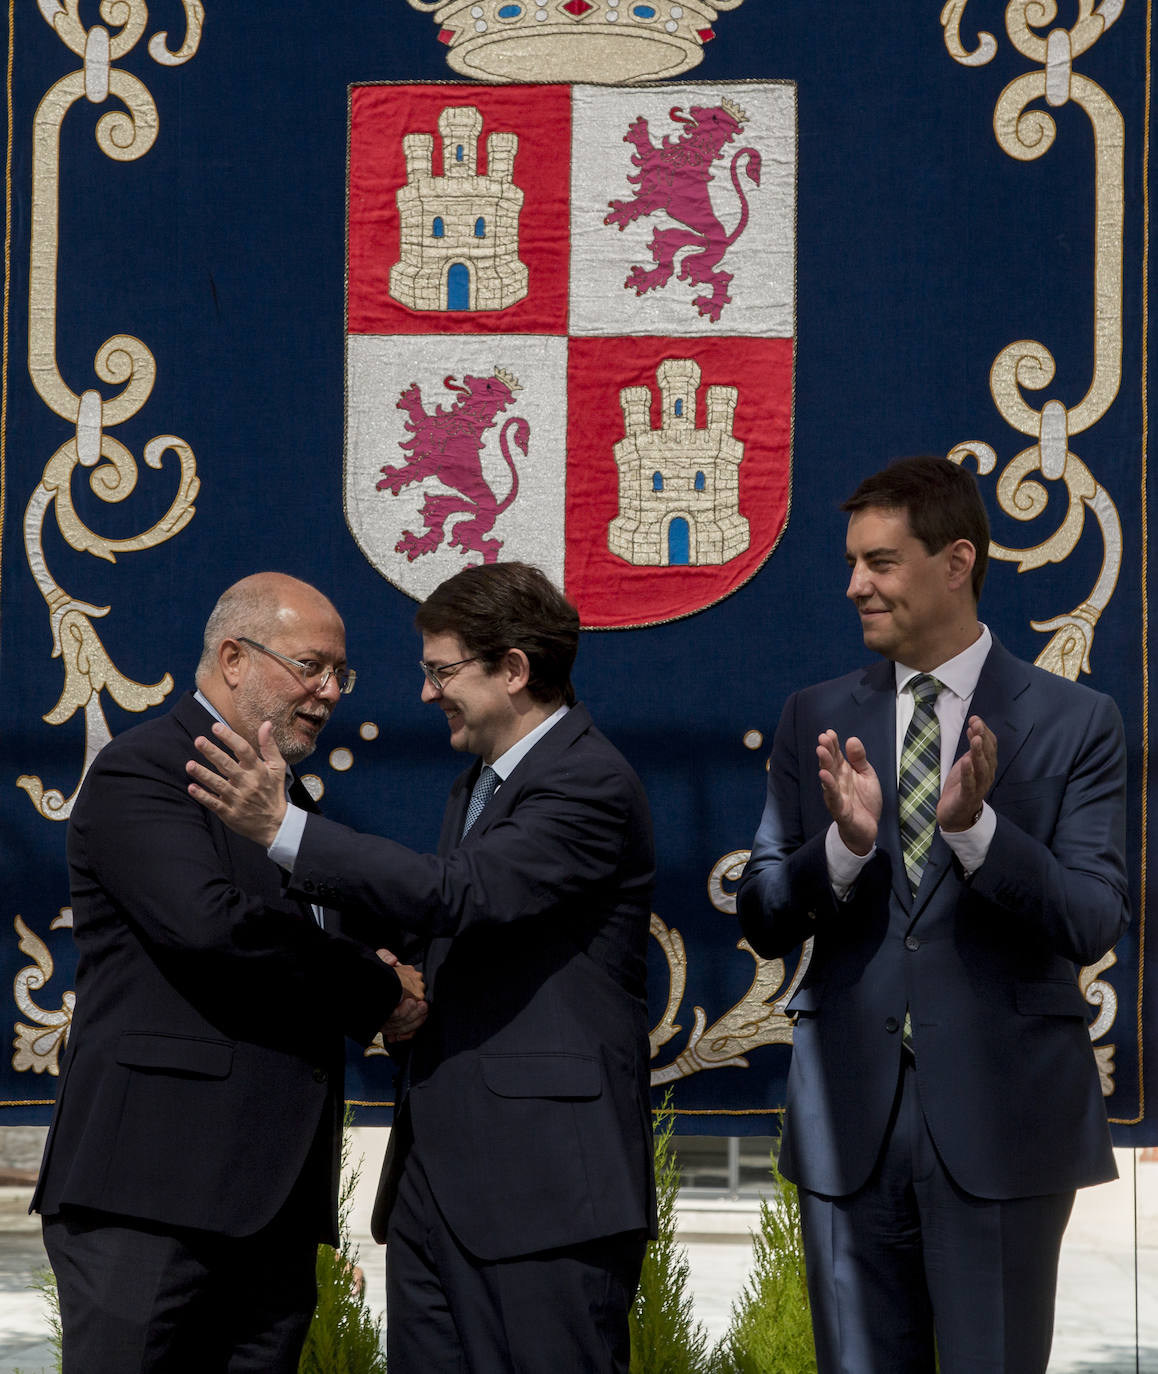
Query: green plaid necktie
column 919, row 780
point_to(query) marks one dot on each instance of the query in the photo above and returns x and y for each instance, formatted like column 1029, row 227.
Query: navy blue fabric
column 922, row 250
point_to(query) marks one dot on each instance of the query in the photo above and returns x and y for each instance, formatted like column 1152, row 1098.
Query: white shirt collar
column 200, row 697
column 506, row 763
column 960, row 673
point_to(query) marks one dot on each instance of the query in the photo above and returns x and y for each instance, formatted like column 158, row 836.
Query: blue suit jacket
column 987, row 966
column 529, row 1093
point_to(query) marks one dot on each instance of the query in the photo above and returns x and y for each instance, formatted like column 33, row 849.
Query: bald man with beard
column 192, row 1164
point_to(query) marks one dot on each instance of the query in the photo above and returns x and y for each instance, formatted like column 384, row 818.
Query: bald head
column 256, row 607
column 248, row 683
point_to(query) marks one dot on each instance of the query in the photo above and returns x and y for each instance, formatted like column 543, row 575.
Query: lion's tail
column 752, row 159
column 522, row 437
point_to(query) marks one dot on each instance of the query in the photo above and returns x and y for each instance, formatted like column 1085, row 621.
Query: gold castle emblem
column 460, row 231
column 679, row 485
column 574, row 40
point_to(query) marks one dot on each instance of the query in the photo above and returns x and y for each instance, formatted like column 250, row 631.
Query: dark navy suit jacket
column 206, row 1054
column 529, row 1095
column 987, row 965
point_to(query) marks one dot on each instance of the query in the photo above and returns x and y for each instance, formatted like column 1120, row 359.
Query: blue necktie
column 484, row 788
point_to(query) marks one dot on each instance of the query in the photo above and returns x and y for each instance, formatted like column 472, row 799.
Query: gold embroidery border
column 7, row 292
column 1144, row 554
column 1144, row 540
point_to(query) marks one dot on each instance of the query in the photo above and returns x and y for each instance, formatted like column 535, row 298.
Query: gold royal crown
column 573, row 40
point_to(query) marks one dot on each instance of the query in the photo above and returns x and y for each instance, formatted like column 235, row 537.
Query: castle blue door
column 458, row 287
column 678, row 543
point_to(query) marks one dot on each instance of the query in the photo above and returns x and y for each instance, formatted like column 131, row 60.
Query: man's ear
column 517, row 667
column 229, row 657
column 962, row 556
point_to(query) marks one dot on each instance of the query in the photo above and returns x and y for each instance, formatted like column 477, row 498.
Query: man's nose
column 429, row 691
column 330, row 691
column 857, row 583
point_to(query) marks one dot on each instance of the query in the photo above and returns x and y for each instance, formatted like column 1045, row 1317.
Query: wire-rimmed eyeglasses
column 314, row 675
column 436, row 673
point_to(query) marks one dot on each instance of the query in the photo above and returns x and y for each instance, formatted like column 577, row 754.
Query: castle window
column 700, row 483
column 657, row 481
column 438, row 229
column 459, row 153
column 480, row 228
column 679, row 406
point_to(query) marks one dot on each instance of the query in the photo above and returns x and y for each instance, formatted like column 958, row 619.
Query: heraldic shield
column 570, row 321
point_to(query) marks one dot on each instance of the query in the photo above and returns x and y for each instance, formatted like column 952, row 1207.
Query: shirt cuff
column 972, row 846
column 843, row 865
column 288, row 840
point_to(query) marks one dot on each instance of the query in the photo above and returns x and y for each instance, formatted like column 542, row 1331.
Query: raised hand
column 969, row 779
column 247, row 791
column 852, row 790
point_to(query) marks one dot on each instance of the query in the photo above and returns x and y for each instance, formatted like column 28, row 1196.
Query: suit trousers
column 911, row 1258
column 558, row 1311
column 141, row 1298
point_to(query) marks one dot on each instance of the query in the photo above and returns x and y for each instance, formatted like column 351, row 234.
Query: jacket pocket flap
column 1053, row 998
column 542, row 1075
column 176, row 1054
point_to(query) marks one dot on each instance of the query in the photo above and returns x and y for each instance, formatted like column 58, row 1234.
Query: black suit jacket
column 206, row 1053
column 987, row 965
column 529, row 1084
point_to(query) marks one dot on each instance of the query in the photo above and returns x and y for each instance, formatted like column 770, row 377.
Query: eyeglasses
column 436, row 673
column 314, row 675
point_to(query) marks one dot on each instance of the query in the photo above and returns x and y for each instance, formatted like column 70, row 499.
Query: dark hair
column 941, row 499
column 502, row 606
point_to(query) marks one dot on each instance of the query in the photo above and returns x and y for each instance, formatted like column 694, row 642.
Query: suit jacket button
column 911, row 942
column 892, row 1025
column 320, row 1075
column 308, row 885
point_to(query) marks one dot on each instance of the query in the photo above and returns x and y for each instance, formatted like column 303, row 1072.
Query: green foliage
column 771, row 1328
column 44, row 1283
column 345, row 1337
column 665, row 1338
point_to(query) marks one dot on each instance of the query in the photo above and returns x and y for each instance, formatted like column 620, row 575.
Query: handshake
column 411, row 1011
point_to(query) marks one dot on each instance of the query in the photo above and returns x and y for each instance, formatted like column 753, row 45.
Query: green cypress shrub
column 665, row 1338
column 771, row 1327
column 345, row 1337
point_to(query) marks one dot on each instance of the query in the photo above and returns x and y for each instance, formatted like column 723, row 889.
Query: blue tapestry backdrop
column 785, row 242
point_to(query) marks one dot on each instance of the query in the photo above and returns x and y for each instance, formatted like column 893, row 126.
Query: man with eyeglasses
column 517, row 1194
column 192, row 1164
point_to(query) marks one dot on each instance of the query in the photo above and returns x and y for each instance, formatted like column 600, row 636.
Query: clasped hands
column 852, row 790
column 411, row 1011
column 245, row 788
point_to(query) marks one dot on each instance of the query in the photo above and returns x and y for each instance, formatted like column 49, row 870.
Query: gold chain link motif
column 1027, row 365
column 123, row 134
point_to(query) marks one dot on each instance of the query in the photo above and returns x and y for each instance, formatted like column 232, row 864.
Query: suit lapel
column 455, row 812
column 999, row 701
